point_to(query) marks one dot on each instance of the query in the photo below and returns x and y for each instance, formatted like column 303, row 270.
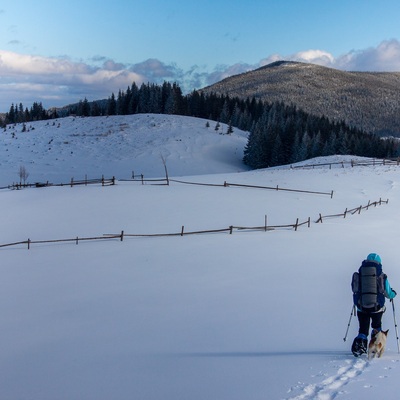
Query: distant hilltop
column 367, row 100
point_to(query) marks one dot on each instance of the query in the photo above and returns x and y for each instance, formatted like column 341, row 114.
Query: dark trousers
column 365, row 319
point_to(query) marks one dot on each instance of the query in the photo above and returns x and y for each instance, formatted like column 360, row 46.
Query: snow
column 58, row 150
column 247, row 315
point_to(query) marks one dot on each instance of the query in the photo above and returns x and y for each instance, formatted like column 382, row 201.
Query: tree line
column 278, row 133
column 18, row 114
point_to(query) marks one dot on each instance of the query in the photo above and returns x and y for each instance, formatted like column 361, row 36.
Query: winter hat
column 374, row 257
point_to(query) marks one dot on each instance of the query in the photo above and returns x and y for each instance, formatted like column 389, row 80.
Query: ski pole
column 395, row 326
column 353, row 310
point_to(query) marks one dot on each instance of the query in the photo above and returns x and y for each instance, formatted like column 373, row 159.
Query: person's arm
column 389, row 292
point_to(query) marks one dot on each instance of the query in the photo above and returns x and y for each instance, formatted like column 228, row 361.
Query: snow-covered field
column 58, row 150
column 251, row 315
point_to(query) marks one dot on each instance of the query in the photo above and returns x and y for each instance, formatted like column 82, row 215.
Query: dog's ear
column 385, row 332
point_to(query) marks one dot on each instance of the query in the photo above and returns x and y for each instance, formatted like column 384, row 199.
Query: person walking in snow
column 370, row 288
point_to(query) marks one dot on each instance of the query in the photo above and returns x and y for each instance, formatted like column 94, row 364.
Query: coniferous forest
column 278, row 133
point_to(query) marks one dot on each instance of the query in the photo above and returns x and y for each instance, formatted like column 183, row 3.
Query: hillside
column 72, row 147
column 366, row 100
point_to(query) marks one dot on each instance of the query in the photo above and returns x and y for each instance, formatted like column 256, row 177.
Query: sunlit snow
column 249, row 315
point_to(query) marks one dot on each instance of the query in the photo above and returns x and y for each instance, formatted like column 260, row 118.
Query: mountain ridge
column 367, row 100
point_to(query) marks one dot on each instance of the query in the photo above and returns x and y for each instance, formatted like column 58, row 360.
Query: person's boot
column 359, row 345
column 374, row 332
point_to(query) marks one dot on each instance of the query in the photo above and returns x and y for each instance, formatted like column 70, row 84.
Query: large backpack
column 368, row 285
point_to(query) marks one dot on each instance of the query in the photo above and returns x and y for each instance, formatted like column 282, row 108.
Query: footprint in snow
column 330, row 387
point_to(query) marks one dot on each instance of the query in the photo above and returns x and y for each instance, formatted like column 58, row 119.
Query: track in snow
column 331, row 386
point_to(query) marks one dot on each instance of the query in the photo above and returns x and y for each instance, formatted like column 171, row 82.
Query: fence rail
column 226, row 184
column 278, row 188
column 103, row 181
column 161, row 181
column 354, row 210
column 266, row 227
column 352, row 163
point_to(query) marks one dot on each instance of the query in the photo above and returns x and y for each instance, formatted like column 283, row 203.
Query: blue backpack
column 368, row 286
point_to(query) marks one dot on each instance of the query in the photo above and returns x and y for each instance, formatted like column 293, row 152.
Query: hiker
column 370, row 288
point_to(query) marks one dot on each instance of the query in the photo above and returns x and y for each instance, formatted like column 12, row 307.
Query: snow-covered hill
column 247, row 315
column 58, row 150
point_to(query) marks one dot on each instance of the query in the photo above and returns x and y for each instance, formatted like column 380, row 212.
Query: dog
column 377, row 344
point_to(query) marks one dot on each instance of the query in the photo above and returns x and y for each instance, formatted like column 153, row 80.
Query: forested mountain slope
column 367, row 100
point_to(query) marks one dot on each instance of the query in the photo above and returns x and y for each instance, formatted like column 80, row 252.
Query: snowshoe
column 359, row 346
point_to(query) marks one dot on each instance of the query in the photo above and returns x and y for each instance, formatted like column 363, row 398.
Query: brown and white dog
column 377, row 344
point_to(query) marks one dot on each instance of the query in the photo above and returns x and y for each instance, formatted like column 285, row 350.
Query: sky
column 60, row 52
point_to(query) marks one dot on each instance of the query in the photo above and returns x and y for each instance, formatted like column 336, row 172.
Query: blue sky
column 58, row 52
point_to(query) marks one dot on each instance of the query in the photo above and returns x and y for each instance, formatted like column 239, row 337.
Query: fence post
column 332, row 194
column 309, row 221
column 297, row 224
column 230, row 230
column 265, row 222
column 182, row 229
column 29, row 244
column 76, row 242
column 359, row 210
column 102, row 180
column 319, row 219
column 142, row 179
column 72, row 182
column 345, row 212
column 122, row 236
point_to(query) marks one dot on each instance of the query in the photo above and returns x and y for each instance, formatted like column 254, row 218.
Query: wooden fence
column 265, row 227
column 160, row 181
column 352, row 163
column 166, row 181
column 353, row 210
column 103, row 181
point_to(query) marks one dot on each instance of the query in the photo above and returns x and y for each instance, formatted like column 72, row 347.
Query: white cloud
column 314, row 56
column 384, row 57
column 58, row 81
column 19, row 64
column 58, row 78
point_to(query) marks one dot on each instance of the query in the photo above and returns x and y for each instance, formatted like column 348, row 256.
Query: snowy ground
column 58, row 150
column 252, row 315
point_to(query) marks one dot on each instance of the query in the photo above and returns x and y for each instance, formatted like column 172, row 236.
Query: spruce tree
column 112, row 105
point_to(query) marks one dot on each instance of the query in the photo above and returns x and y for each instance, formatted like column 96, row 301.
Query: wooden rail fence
column 165, row 181
column 352, row 163
column 265, row 227
column 353, row 210
column 103, row 181
column 161, row 181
